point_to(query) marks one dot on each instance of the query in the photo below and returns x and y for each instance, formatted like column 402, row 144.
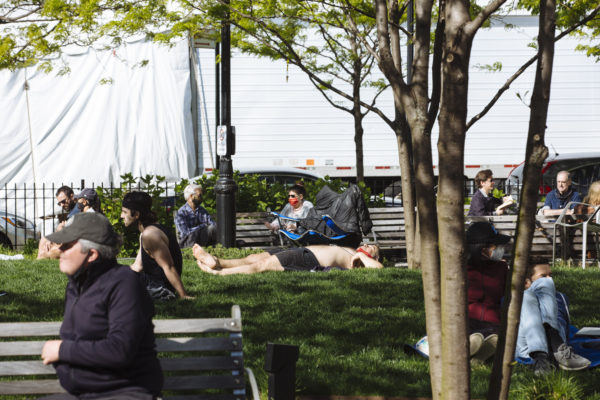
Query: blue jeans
column 539, row 308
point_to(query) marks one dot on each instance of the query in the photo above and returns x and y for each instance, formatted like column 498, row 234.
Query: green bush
column 253, row 194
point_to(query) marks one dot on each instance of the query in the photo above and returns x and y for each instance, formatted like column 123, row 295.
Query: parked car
column 15, row 230
column 284, row 175
column 584, row 169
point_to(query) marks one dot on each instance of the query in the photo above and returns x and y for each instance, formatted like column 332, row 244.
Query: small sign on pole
column 204, row 40
column 222, row 140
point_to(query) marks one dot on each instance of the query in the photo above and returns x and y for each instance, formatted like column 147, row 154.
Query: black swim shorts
column 297, row 259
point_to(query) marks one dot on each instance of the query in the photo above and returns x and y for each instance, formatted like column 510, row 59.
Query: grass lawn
column 350, row 325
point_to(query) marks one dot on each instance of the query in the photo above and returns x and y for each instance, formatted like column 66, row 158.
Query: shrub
column 253, row 194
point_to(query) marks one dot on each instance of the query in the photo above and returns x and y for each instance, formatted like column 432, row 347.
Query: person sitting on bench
column 309, row 258
column 106, row 347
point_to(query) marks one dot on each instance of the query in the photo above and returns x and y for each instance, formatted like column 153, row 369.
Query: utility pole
column 225, row 187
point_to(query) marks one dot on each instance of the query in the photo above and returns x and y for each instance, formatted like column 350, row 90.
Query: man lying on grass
column 309, row 258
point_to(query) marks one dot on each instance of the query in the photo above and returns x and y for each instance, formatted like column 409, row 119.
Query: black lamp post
column 225, row 187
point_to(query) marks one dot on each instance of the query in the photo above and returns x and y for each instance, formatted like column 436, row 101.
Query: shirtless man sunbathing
column 293, row 259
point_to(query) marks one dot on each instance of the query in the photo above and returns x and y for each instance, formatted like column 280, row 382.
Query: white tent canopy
column 108, row 117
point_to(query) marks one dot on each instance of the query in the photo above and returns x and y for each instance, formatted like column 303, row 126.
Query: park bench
column 196, row 355
column 388, row 225
column 389, row 232
column 251, row 230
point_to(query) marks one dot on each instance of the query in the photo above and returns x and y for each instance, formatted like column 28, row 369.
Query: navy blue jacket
column 107, row 332
column 556, row 202
column 481, row 205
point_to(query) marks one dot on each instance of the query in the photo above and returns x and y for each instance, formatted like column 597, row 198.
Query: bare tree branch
column 484, row 14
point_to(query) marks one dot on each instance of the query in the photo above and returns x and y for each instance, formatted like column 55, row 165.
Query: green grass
column 350, row 326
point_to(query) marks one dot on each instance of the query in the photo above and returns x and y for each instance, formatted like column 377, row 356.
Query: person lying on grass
column 543, row 327
column 309, row 258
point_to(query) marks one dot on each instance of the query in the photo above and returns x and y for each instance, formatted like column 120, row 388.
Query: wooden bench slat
column 34, row 348
column 197, row 325
column 17, row 329
column 196, row 382
column 205, row 363
column 197, row 344
column 40, row 386
column 33, row 367
column 203, row 397
column 29, row 348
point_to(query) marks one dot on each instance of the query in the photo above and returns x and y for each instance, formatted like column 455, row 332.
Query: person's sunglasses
column 293, row 196
column 60, row 203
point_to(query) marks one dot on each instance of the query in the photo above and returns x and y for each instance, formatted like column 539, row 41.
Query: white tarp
column 109, row 116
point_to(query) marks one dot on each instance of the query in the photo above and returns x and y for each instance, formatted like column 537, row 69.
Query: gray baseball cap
column 87, row 193
column 88, row 225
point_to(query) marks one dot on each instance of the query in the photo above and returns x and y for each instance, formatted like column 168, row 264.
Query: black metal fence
column 30, row 211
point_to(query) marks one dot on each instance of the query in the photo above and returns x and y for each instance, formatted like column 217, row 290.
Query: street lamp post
column 225, row 187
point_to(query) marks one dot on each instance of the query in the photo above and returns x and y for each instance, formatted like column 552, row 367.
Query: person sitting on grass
column 543, row 326
column 486, row 272
column 159, row 259
column 309, row 258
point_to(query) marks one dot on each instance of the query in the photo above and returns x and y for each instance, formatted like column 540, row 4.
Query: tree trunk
column 358, row 142
column 403, row 137
column 450, row 200
column 357, row 67
column 430, row 263
column 536, row 153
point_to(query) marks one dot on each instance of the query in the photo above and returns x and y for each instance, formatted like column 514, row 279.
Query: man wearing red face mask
column 297, row 207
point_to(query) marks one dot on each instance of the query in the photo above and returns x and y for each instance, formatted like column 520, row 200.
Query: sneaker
column 568, row 360
column 487, row 350
column 542, row 366
column 475, row 342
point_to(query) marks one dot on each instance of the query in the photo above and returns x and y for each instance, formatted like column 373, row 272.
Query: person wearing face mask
column 543, row 326
column 88, row 201
column 487, row 272
column 297, row 207
column 194, row 224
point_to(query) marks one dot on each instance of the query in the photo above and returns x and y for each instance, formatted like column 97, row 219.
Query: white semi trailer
column 282, row 120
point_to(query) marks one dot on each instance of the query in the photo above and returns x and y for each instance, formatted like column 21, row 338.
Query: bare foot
column 203, row 257
column 206, row 268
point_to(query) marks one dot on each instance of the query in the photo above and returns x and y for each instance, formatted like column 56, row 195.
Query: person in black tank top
column 159, row 259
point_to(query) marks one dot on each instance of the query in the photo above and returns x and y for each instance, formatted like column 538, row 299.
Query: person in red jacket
column 487, row 272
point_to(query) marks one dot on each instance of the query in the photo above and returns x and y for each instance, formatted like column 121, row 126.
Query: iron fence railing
column 30, row 211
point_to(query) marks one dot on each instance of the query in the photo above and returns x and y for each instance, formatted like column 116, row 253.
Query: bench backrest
column 191, row 364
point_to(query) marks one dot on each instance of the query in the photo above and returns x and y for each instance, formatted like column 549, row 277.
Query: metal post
column 226, row 187
column 217, row 96
column 280, row 363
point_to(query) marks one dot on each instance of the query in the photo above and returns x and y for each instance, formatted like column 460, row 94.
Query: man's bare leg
column 216, row 263
column 271, row 263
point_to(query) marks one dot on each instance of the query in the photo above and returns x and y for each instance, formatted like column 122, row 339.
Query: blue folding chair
column 308, row 237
